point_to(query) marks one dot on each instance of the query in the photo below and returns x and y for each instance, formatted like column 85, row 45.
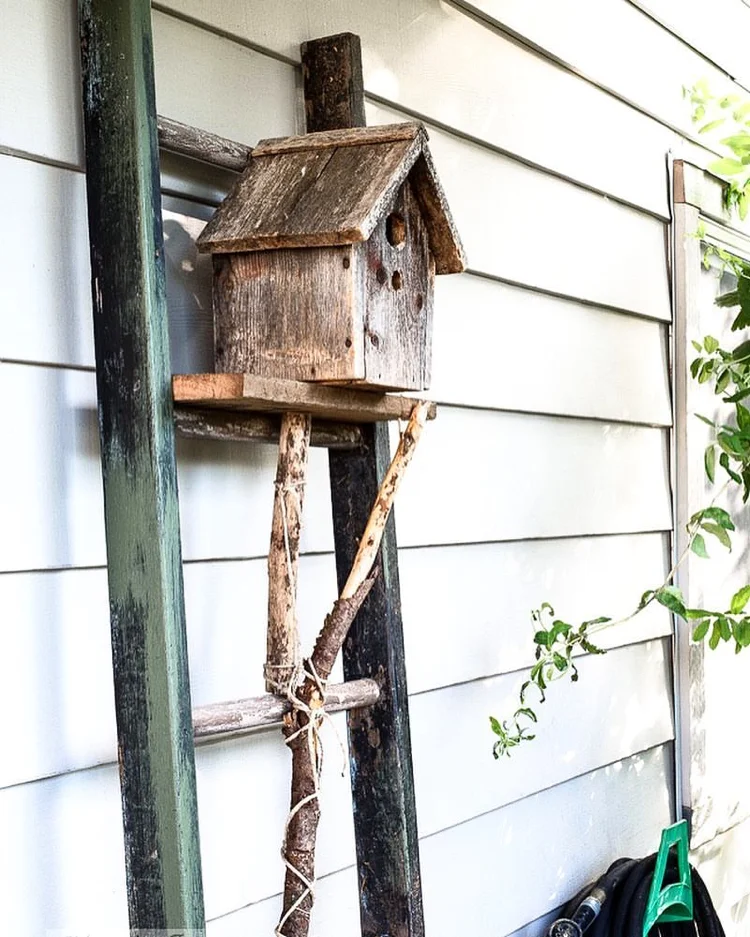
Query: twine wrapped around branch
column 302, row 725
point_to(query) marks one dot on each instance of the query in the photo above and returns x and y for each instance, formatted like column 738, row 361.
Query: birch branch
column 283, row 553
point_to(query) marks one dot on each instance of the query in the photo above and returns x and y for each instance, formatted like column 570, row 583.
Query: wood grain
column 149, row 644
column 236, row 426
column 352, row 136
column 333, row 188
column 250, row 392
column 236, row 717
column 309, row 197
column 398, row 289
column 176, row 137
column 289, row 314
column 282, row 645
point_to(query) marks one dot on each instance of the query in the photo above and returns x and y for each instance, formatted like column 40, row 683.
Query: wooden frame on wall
column 699, row 215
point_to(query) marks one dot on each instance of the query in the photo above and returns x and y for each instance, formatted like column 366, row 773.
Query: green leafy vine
column 728, row 371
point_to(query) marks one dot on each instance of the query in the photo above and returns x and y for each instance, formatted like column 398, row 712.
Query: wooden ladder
column 156, row 729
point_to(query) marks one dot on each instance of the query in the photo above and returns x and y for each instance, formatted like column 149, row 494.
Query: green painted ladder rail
column 155, row 726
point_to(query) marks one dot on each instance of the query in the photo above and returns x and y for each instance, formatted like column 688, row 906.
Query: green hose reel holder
column 671, row 902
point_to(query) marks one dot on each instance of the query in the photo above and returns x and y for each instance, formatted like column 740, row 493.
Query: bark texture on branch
column 301, row 726
column 283, row 553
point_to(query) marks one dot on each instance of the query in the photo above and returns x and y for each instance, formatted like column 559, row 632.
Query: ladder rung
column 199, row 144
column 240, row 426
column 219, row 720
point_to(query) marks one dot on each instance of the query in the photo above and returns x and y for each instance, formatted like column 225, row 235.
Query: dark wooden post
column 382, row 777
column 152, row 693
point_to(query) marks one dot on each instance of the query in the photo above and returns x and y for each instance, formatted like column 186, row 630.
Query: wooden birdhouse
column 325, row 253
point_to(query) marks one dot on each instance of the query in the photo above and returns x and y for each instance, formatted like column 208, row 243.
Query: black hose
column 622, row 895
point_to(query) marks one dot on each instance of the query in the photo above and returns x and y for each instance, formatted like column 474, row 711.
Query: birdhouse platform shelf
column 250, row 392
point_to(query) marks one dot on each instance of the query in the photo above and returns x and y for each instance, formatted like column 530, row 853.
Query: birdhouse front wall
column 293, row 314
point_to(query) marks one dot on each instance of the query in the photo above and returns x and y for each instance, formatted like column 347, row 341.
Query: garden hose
column 615, row 905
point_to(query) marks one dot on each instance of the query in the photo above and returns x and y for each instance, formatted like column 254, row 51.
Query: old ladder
column 137, row 425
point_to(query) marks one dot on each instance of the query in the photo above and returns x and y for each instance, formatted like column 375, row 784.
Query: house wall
column 549, row 460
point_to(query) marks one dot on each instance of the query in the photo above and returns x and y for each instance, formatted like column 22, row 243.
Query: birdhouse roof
column 330, row 188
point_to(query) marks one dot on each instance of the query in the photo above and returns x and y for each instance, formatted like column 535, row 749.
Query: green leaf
column 724, row 463
column 710, row 344
column 716, row 531
column 730, row 444
column 725, row 628
column 698, row 347
column 741, row 352
column 705, row 419
column 496, row 727
column 709, row 461
column 713, row 641
column 719, row 515
column 692, row 613
column 597, row 621
column 722, row 382
column 590, row 649
column 558, row 628
column 742, row 634
column 700, row 631
column 737, row 142
column 726, row 167
column 698, row 546
column 646, row 598
column 705, row 372
column 560, row 662
column 740, row 600
column 712, row 125
column 543, row 638
column 672, row 598
column 740, row 395
column 743, row 417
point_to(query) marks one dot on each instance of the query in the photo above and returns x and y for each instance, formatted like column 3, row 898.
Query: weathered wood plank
column 385, row 819
column 221, row 720
column 291, row 314
column 251, row 392
column 176, row 137
column 149, row 651
column 398, row 284
column 269, row 191
column 352, row 136
column 312, row 197
column 236, row 426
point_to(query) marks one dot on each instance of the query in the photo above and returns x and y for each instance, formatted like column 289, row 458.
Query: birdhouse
column 325, row 254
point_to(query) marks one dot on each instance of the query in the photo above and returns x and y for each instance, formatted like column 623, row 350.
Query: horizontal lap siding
column 551, row 359
column 55, row 659
column 720, row 37
column 493, row 90
column 511, row 477
column 487, row 876
column 54, row 827
column 664, row 62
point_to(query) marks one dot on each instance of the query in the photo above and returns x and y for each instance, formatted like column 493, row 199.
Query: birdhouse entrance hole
column 395, row 232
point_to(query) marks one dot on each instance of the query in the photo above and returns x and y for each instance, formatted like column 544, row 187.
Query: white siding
column 549, row 460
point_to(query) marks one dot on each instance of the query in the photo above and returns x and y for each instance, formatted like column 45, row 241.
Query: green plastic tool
column 673, row 902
